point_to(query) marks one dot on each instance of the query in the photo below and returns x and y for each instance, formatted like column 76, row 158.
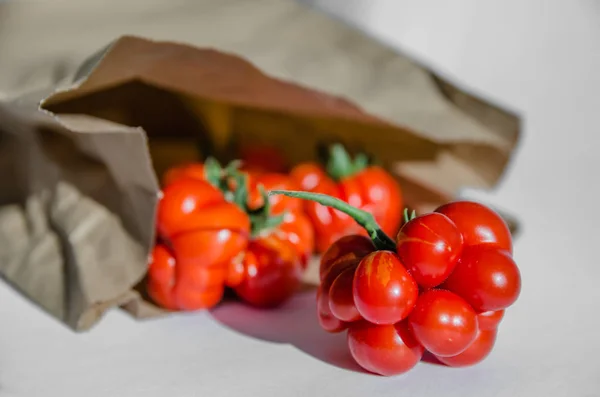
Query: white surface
column 539, row 57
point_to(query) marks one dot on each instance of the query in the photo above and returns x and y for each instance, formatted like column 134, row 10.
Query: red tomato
column 478, row 224
column 384, row 292
column 205, row 233
column 486, row 277
column 349, row 247
column 191, row 170
column 272, row 273
column 489, row 321
column 443, row 323
column 273, row 181
column 475, row 353
column 262, row 158
column 341, row 299
column 370, row 188
column 327, row 320
column 386, row 350
column 429, row 246
column 274, row 262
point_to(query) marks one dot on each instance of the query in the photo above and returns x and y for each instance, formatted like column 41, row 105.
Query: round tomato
column 486, row 277
column 478, row 224
column 489, row 321
column 308, row 175
column 341, row 299
column 387, row 350
column 429, row 246
column 443, row 323
column 272, row 273
column 327, row 320
column 478, row 350
column 350, row 247
column 384, row 291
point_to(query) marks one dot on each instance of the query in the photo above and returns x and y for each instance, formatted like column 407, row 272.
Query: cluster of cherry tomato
column 218, row 230
column 441, row 286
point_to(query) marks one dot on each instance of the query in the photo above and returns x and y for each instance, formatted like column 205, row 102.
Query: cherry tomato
column 486, row 277
column 443, row 323
column 327, row 320
column 387, row 350
column 489, row 321
column 349, row 247
column 308, row 175
column 272, row 273
column 384, row 291
column 478, row 350
column 478, row 224
column 429, row 246
column 341, row 299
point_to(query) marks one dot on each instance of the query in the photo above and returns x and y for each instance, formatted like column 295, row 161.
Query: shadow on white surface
column 294, row 323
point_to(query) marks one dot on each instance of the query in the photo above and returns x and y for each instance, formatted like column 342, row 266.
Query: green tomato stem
column 261, row 219
column 340, row 165
column 365, row 219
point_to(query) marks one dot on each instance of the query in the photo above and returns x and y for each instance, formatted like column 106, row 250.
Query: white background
column 539, row 57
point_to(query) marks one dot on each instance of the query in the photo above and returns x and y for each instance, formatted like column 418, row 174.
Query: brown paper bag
column 77, row 205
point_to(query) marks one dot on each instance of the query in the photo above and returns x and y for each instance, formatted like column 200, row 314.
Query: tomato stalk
column 218, row 176
column 381, row 240
column 340, row 165
column 261, row 220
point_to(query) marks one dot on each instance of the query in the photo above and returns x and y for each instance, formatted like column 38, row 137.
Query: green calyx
column 340, row 165
column 218, row 176
column 381, row 240
column 408, row 218
column 261, row 220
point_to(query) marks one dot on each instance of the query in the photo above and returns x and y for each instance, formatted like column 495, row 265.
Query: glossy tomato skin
column 351, row 247
column 486, row 277
column 273, row 181
column 182, row 203
column 274, row 262
column 386, row 350
column 478, row 350
column 478, row 224
column 371, row 189
column 308, row 175
column 384, row 291
column 377, row 192
column 203, row 233
column 272, row 273
column 429, row 246
column 489, row 321
column 341, row 297
column 443, row 323
column 161, row 272
column 327, row 320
